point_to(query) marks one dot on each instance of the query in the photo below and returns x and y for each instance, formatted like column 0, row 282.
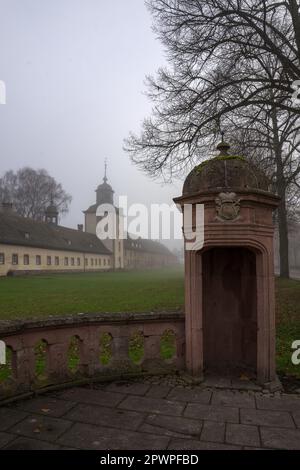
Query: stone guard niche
column 229, row 283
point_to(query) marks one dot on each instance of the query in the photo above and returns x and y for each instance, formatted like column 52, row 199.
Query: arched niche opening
column 229, row 277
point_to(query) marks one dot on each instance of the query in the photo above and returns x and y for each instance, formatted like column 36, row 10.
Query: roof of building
column 146, row 245
column 225, row 171
column 16, row 230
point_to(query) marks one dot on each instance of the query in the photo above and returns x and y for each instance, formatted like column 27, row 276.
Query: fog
column 74, row 72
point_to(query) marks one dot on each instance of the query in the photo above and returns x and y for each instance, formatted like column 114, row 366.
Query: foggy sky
column 74, row 72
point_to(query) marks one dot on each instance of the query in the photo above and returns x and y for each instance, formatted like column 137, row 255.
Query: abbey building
column 29, row 246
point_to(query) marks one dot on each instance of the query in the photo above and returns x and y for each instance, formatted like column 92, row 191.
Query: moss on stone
column 202, row 165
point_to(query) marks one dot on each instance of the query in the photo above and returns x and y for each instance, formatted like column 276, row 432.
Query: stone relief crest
column 227, row 206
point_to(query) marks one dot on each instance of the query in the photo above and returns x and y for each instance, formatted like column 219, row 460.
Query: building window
column 2, row 258
column 26, row 260
column 72, row 261
column 38, row 260
column 96, row 262
column 15, row 259
column 92, row 262
column 26, row 235
column 66, row 261
column 78, row 261
column 56, row 261
column 104, row 262
column 48, row 260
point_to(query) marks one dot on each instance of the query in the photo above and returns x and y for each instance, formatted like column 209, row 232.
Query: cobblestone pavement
column 153, row 415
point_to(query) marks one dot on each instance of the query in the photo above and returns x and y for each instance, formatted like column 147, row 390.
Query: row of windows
column 56, row 261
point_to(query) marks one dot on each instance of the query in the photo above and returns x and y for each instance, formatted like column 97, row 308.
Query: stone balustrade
column 45, row 353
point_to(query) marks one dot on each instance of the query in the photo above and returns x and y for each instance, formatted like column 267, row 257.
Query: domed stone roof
column 225, row 171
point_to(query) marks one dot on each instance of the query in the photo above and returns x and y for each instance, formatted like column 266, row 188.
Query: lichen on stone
column 202, row 165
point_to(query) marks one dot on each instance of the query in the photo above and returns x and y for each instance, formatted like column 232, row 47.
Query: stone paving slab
column 185, row 444
column 153, row 405
column 152, row 415
column 190, row 395
column 233, row 398
column 213, row 431
column 223, row 414
column 279, row 438
column 103, row 416
column 96, row 397
column 41, row 427
column 282, row 403
column 158, row 391
column 5, row 438
column 9, row 417
column 86, row 436
column 181, row 425
column 267, row 418
column 24, row 443
column 243, row 435
column 47, row 405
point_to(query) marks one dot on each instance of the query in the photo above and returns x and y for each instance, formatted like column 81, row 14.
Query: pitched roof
column 147, row 245
column 16, row 230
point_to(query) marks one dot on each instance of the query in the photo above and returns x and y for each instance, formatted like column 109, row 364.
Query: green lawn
column 36, row 297
column 60, row 294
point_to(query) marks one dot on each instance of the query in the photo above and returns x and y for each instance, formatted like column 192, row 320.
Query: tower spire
column 105, row 171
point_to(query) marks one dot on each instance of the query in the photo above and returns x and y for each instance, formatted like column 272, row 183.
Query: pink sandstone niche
column 229, row 283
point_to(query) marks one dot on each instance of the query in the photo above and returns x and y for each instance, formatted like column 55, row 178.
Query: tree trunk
column 282, row 212
column 283, row 237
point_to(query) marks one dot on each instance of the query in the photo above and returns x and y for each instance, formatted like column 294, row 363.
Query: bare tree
column 209, row 44
column 31, row 191
column 232, row 62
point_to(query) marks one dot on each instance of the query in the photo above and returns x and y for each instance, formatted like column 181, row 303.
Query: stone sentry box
column 229, row 283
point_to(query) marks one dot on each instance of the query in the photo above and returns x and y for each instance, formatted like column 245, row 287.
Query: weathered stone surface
column 156, row 430
column 158, row 391
column 86, row 436
column 128, row 388
column 185, row 444
column 212, row 413
column 97, row 397
column 5, row 438
column 103, row 416
column 242, row 434
column 191, row 427
column 190, row 395
column 9, row 417
column 49, row 406
column 267, row 418
column 233, row 398
column 23, row 443
column 296, row 417
column 284, row 403
column 279, row 438
column 218, row 382
column 41, row 427
column 153, row 405
column 213, row 432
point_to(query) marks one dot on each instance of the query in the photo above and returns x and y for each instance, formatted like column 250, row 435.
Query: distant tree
column 31, row 191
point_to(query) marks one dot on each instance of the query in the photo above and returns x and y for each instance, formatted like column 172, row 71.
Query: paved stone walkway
column 152, row 416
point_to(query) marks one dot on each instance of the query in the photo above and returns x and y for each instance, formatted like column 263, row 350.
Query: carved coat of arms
column 227, row 206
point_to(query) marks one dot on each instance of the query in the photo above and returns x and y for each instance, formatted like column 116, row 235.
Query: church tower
column 105, row 195
column 51, row 214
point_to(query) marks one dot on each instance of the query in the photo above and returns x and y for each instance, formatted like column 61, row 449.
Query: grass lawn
column 60, row 294
column 37, row 297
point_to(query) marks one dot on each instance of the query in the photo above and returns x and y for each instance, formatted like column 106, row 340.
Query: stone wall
column 88, row 347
